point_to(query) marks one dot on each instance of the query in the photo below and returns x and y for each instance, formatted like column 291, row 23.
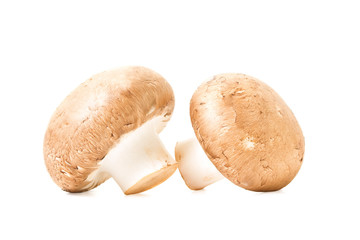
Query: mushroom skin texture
column 247, row 131
column 108, row 127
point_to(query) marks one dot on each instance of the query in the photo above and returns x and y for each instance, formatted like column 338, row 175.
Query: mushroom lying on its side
column 246, row 130
column 108, row 127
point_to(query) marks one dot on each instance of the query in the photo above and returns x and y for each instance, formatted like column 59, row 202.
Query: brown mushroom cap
column 91, row 120
column 247, row 131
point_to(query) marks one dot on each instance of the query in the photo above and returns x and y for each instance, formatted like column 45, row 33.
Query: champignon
column 108, row 127
column 247, row 131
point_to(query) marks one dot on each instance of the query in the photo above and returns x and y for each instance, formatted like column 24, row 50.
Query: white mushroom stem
column 195, row 167
column 139, row 161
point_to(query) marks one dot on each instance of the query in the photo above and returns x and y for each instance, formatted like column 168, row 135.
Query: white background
column 308, row 51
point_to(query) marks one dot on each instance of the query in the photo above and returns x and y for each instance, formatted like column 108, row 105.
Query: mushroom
column 247, row 131
column 108, row 127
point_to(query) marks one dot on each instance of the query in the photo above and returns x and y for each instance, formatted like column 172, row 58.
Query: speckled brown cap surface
column 247, row 131
column 95, row 115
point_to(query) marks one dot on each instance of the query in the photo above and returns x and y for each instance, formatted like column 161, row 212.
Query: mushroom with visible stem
column 108, row 127
column 248, row 133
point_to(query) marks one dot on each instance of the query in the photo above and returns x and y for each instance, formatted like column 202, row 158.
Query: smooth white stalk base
column 194, row 166
column 138, row 158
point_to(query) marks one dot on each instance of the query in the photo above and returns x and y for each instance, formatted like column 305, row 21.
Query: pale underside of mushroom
column 194, row 166
column 138, row 162
column 108, row 127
